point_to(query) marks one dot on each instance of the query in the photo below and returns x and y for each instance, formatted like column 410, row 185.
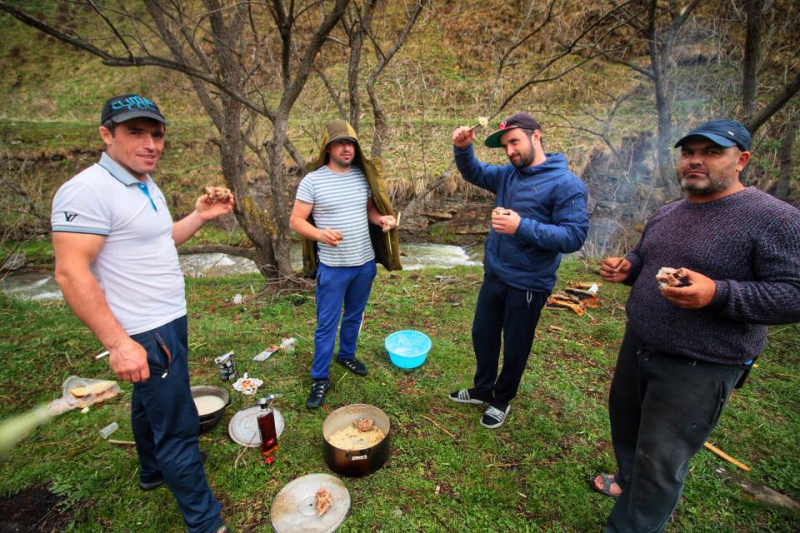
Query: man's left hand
column 697, row 295
column 211, row 210
column 507, row 224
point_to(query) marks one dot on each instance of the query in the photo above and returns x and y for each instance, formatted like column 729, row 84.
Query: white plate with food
column 315, row 503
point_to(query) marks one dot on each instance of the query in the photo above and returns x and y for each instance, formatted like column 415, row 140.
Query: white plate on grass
column 243, row 427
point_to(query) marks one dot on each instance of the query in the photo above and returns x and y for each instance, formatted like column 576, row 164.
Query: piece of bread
column 218, row 194
column 499, row 211
column 92, row 389
column 672, row 277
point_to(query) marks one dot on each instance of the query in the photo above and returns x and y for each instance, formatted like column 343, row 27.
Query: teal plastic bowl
column 408, row 349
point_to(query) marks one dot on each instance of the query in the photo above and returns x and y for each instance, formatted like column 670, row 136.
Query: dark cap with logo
column 129, row 106
column 519, row 120
column 725, row 133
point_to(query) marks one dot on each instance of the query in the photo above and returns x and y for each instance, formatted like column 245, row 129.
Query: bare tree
column 358, row 26
column 584, row 39
column 751, row 63
column 657, row 28
column 224, row 49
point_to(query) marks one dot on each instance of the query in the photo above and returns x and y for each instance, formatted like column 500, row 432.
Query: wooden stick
column 122, row 442
column 440, row 427
column 713, row 449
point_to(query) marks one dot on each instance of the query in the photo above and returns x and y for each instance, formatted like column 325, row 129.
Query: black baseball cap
column 129, row 106
column 518, row 120
column 725, row 133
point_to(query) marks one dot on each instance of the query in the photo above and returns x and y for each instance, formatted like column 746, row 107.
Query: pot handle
column 361, row 455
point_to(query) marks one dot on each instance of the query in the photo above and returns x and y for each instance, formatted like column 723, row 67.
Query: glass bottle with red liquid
column 269, row 433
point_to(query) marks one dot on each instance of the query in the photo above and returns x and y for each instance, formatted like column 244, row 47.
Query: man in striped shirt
column 334, row 207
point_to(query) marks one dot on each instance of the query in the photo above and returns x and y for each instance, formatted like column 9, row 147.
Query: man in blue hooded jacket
column 540, row 213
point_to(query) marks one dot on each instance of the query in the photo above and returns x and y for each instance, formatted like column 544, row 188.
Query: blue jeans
column 337, row 287
column 662, row 410
column 166, row 427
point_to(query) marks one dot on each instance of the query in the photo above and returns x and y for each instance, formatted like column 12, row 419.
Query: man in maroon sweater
column 685, row 348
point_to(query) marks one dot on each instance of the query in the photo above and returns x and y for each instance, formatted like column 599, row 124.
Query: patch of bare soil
column 34, row 509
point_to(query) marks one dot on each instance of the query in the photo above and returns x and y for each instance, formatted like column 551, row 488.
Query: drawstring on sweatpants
column 528, row 297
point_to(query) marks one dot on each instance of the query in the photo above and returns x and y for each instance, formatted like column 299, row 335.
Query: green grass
column 528, row 476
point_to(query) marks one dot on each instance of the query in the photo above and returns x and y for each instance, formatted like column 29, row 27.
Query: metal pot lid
column 294, row 509
column 243, row 427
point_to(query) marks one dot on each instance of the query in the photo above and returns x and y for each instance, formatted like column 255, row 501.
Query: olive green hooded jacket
column 386, row 245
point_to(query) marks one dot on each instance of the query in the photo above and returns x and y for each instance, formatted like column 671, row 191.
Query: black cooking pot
column 209, row 420
column 355, row 463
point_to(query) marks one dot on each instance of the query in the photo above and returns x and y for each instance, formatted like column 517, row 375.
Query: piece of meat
column 671, row 277
column 323, row 501
column 363, row 424
column 218, row 194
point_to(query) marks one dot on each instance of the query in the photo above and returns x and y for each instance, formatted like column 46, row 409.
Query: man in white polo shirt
column 335, row 205
column 117, row 265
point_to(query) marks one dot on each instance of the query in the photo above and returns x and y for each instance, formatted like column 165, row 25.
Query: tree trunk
column 249, row 215
column 281, row 232
column 752, row 57
column 664, row 170
column 785, row 156
column 659, row 59
column 381, row 123
column 360, row 28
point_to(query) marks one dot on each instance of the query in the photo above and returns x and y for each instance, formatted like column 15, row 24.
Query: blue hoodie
column 551, row 201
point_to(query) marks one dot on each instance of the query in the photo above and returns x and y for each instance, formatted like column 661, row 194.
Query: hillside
column 446, row 75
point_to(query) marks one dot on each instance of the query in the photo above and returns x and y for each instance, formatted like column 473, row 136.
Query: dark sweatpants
column 514, row 313
column 662, row 410
column 166, row 428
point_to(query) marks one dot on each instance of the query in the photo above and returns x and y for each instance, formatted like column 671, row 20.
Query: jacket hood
column 336, row 131
column 553, row 162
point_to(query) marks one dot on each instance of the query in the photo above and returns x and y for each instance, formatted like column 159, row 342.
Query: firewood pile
column 577, row 297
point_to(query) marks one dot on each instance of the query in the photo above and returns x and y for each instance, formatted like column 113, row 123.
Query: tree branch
column 774, row 106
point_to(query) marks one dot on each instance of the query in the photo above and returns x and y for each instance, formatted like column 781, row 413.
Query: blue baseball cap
column 129, row 106
column 725, row 133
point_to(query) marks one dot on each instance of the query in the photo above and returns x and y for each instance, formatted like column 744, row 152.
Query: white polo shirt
column 138, row 267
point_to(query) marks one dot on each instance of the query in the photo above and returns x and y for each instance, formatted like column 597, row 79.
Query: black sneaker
column 224, row 529
column 353, row 365
column 466, row 396
column 493, row 417
column 319, row 387
column 150, row 485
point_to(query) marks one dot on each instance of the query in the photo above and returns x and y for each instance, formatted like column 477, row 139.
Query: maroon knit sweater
column 749, row 244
